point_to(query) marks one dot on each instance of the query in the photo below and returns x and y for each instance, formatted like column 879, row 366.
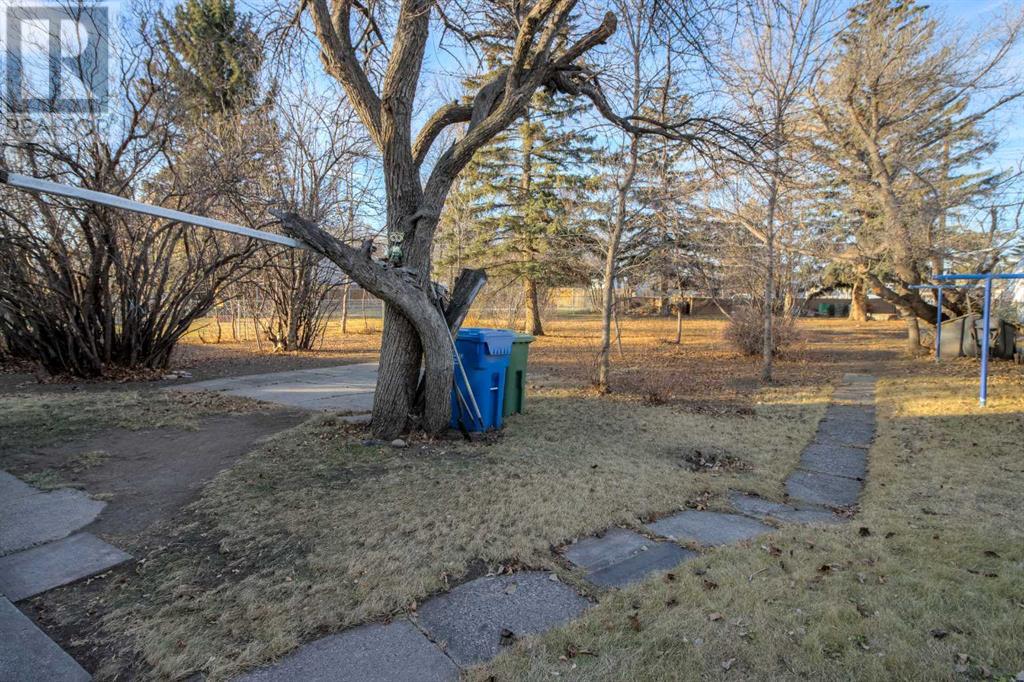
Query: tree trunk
column 533, row 323
column 859, row 301
column 679, row 323
column 344, row 309
column 611, row 255
column 913, row 347
column 768, row 340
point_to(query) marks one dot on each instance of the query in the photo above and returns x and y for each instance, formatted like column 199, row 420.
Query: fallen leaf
column 710, row 584
column 728, row 664
column 939, row 633
column 672, row 602
column 572, row 651
column 714, row 616
column 984, row 574
column 991, row 553
column 634, row 622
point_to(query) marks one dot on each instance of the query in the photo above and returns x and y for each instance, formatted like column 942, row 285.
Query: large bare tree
column 770, row 70
column 376, row 52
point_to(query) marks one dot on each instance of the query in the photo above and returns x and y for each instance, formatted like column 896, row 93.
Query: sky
column 977, row 15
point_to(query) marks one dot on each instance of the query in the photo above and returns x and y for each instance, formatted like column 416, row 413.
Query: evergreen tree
column 517, row 199
column 213, row 57
column 898, row 123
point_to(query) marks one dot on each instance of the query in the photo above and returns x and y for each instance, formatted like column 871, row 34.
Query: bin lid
column 523, row 337
column 496, row 341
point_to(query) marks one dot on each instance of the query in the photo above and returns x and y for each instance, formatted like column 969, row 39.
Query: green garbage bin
column 515, row 375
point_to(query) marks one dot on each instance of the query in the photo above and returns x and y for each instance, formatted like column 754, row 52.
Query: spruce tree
column 518, row 196
column 213, row 57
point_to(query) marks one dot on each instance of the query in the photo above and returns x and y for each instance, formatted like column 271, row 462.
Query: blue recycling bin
column 485, row 356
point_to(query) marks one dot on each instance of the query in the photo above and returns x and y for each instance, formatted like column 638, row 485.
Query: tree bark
column 913, row 347
column 859, row 301
column 768, row 338
column 344, row 309
column 611, row 255
column 533, row 323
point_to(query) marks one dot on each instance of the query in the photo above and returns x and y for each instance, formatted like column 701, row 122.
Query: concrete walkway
column 347, row 388
column 41, row 547
column 471, row 623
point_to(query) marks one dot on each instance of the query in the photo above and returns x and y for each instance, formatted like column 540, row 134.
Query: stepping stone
column 837, row 460
column 620, row 557
column 708, row 528
column 32, row 518
column 13, row 488
column 855, row 394
column 26, row 653
column 824, row 489
column 851, row 413
column 368, row 653
column 845, row 432
column 758, row 507
column 39, row 569
column 474, row 620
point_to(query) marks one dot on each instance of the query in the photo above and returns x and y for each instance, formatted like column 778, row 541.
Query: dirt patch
column 147, row 475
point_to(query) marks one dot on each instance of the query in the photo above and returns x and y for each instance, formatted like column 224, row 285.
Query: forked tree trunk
column 533, row 323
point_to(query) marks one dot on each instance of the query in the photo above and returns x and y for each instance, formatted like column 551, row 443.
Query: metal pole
column 102, row 198
column 938, row 324
column 986, row 319
column 465, row 379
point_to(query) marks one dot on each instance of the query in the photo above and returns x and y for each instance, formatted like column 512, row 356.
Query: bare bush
column 745, row 331
column 84, row 289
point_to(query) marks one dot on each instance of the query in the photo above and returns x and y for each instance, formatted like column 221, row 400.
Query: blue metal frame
column 986, row 318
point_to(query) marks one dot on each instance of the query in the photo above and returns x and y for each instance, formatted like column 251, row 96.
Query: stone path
column 28, row 654
column 347, row 388
column 40, row 550
column 471, row 623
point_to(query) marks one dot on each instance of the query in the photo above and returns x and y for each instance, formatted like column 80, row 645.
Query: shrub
column 745, row 331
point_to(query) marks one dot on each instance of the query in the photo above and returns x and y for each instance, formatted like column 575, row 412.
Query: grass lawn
column 318, row 529
column 927, row 583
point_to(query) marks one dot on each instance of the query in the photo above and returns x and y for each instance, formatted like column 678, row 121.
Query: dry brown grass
column 931, row 590
column 38, row 419
column 315, row 531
